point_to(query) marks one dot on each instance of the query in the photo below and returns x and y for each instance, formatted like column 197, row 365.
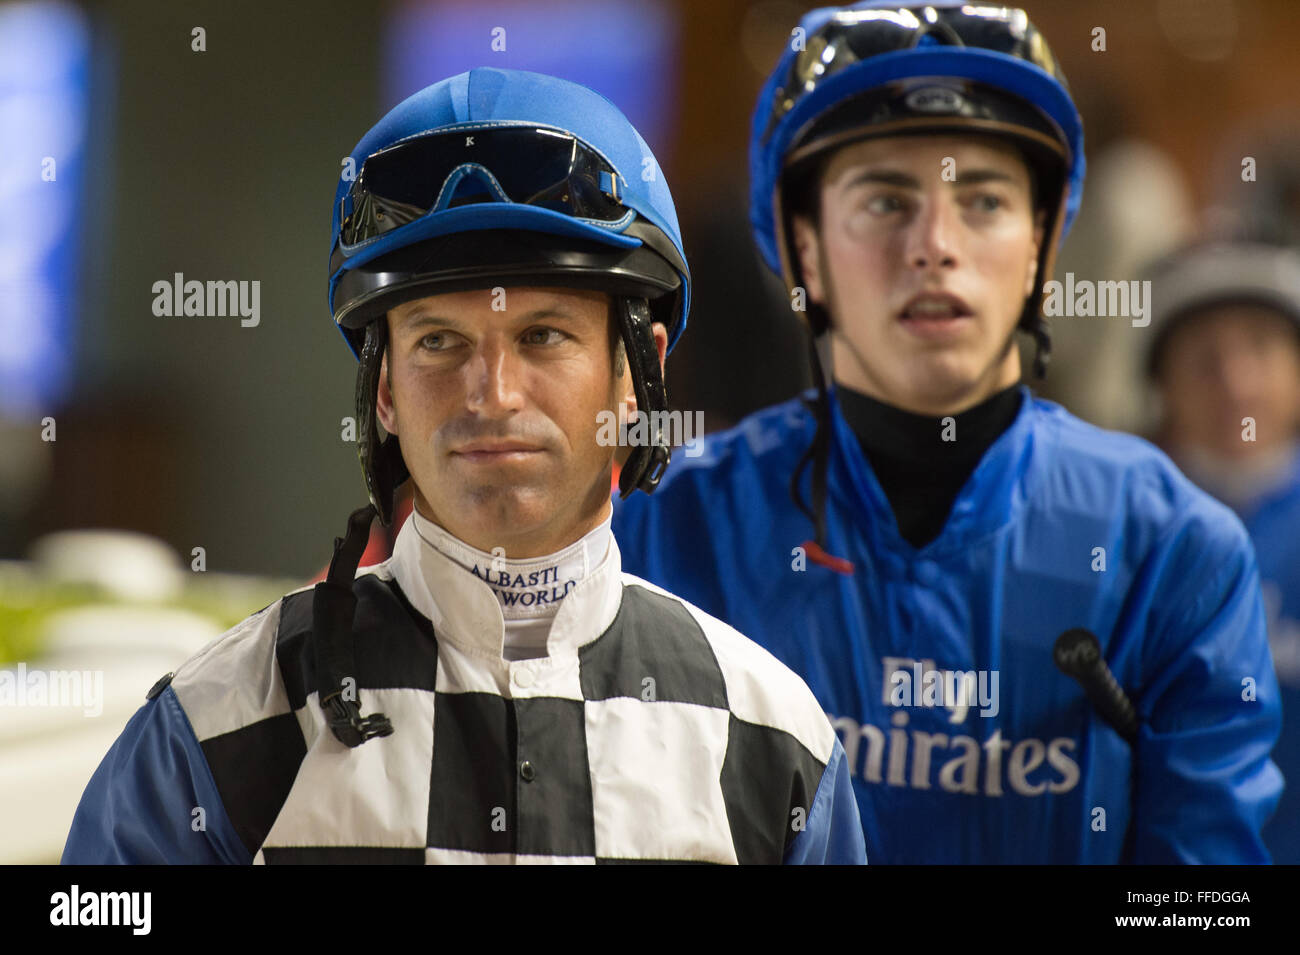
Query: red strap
column 819, row 556
column 378, row 549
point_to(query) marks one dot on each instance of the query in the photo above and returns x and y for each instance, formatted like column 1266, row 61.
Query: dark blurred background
column 221, row 164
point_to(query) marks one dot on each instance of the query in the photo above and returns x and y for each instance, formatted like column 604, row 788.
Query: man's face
column 496, row 411
column 927, row 249
column 1226, row 364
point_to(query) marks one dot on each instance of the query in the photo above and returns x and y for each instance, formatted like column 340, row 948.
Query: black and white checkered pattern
column 650, row 732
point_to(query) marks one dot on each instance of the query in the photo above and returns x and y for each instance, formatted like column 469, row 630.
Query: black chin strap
column 382, row 463
column 646, row 463
column 333, row 608
column 818, row 453
column 333, row 603
column 1042, row 347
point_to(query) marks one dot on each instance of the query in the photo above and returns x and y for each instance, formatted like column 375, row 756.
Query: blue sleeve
column 138, row 808
column 1210, row 715
column 833, row 835
column 659, row 540
column 634, row 529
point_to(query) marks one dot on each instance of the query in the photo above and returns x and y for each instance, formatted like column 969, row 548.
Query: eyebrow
column 890, row 177
column 421, row 317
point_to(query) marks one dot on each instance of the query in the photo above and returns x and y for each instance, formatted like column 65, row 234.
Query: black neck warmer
column 921, row 473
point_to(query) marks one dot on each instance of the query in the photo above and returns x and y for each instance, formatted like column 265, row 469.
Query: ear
column 661, row 342
column 807, row 250
column 1040, row 224
column 384, row 408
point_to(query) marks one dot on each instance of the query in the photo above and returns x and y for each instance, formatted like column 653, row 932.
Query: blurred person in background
column 1224, row 356
column 913, row 169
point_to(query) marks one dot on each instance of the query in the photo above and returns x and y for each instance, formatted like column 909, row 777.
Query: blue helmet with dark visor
column 504, row 177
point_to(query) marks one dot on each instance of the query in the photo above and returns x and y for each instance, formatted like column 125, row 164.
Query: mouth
column 933, row 314
column 499, row 451
column 935, row 306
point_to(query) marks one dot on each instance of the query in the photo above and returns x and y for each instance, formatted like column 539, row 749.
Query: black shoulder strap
column 333, row 607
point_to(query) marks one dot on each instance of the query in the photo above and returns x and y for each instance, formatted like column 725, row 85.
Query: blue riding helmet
column 883, row 68
column 504, row 177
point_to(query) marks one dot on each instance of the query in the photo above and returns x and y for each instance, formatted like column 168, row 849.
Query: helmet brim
column 481, row 259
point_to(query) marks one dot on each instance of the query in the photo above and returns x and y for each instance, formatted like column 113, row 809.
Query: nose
column 932, row 233
column 494, row 385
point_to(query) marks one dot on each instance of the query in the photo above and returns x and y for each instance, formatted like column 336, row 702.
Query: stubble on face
column 496, row 413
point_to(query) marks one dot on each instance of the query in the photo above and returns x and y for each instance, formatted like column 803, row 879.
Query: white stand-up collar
column 535, row 587
column 430, row 565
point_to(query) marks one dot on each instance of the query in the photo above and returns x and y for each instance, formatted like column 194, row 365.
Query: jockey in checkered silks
column 506, row 266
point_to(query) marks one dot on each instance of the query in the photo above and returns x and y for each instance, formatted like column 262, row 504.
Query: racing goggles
column 852, row 36
column 529, row 165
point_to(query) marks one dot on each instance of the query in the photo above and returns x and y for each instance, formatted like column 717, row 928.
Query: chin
column 939, row 377
column 511, row 509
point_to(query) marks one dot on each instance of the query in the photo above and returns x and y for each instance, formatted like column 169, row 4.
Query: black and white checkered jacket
column 650, row 732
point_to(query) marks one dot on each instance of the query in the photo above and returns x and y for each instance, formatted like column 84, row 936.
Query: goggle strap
column 609, row 186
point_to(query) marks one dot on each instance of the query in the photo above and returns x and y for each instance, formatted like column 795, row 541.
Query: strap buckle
column 348, row 725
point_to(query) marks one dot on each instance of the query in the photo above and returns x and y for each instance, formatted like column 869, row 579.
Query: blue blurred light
column 44, row 84
column 625, row 50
